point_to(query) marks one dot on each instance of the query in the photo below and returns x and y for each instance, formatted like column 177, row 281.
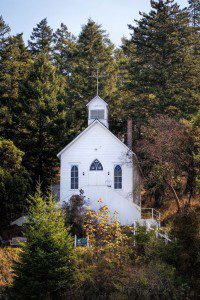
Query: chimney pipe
column 130, row 133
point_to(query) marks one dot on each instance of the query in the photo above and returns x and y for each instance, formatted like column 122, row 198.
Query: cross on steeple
column 97, row 80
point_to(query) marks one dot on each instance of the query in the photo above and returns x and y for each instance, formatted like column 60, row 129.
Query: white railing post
column 75, row 241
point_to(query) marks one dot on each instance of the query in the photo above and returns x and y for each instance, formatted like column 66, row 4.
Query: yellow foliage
column 7, row 256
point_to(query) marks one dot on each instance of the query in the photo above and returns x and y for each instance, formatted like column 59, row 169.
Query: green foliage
column 14, row 183
column 41, row 38
column 161, row 62
column 43, row 123
column 155, row 280
column 64, row 51
column 45, row 264
column 93, row 50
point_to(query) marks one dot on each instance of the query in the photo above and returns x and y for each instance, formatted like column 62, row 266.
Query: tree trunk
column 177, row 200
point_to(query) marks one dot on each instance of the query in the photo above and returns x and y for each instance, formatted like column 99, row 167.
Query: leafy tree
column 75, row 214
column 162, row 77
column 14, row 183
column 41, row 38
column 166, row 154
column 45, row 264
column 43, row 122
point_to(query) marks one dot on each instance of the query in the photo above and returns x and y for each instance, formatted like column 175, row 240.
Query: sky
column 113, row 15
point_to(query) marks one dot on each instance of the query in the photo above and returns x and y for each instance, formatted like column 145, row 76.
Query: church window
column 97, row 114
column 74, row 177
column 96, row 166
column 118, row 177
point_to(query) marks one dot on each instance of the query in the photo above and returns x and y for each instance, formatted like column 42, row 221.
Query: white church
column 102, row 166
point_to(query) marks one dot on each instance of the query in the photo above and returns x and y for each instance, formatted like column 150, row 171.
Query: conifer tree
column 43, row 117
column 14, row 65
column 194, row 10
column 41, row 38
column 161, row 61
column 94, row 51
column 4, row 30
column 64, row 51
column 45, row 266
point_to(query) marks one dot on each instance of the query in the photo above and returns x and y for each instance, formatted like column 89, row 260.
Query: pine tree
column 161, row 66
column 64, row 51
column 4, row 30
column 194, row 10
column 94, row 51
column 41, row 38
column 45, row 267
column 14, row 65
column 43, row 118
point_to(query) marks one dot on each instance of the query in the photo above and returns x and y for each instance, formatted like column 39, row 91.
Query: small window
column 118, row 177
column 74, row 177
column 97, row 114
column 96, row 166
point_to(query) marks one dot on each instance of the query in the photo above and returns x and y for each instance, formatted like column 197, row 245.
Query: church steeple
column 98, row 109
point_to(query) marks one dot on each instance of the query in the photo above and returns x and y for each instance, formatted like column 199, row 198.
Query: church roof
column 96, row 98
column 88, row 128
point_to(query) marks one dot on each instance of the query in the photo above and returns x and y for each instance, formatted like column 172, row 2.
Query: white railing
column 151, row 213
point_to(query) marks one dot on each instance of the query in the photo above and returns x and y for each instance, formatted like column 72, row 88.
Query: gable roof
column 95, row 98
column 88, row 128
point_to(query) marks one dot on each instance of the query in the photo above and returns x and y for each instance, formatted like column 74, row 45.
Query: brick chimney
column 130, row 133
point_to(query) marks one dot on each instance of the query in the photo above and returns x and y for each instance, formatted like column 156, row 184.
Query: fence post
column 152, row 213
column 75, row 241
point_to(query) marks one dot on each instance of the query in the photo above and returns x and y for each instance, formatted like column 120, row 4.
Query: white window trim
column 71, row 165
column 114, row 165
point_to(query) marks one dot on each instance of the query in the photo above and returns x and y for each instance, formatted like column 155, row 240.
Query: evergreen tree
column 45, row 266
column 42, row 120
column 161, row 61
column 194, row 10
column 64, row 51
column 4, row 30
column 41, row 38
column 94, row 51
column 14, row 65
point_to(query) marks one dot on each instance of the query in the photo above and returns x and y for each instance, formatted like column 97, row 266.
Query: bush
column 155, row 280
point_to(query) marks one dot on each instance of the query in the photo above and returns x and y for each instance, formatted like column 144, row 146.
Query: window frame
column 96, row 162
column 117, row 178
column 74, row 180
column 98, row 116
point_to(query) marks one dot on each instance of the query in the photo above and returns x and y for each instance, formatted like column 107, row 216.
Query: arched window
column 74, row 177
column 96, row 166
column 118, row 177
